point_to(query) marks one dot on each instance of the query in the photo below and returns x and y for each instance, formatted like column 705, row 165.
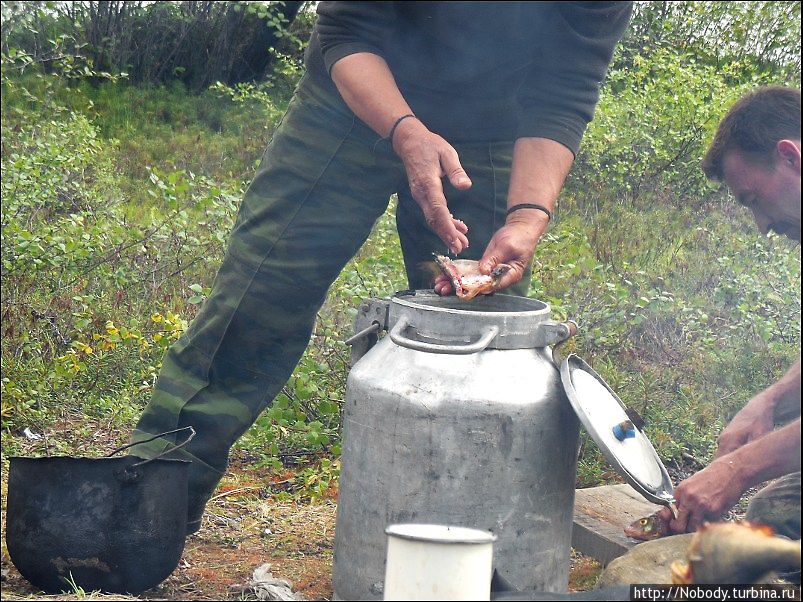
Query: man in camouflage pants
column 511, row 86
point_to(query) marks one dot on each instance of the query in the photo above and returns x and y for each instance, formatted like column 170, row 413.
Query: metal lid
column 622, row 443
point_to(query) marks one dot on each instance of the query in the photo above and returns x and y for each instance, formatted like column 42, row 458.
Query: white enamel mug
column 437, row 562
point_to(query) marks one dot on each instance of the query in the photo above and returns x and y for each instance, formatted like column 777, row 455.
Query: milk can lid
column 622, row 441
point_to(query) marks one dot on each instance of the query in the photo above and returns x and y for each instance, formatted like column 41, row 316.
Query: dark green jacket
column 482, row 71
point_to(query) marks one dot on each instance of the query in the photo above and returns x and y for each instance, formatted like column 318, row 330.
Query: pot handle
column 164, row 453
column 130, row 474
column 459, row 349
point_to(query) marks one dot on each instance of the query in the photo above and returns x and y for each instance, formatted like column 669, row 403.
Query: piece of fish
column 648, row 528
column 735, row 553
column 466, row 278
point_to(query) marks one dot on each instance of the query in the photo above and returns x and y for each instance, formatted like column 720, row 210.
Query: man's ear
column 789, row 153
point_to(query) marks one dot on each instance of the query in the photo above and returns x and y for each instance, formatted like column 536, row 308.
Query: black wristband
column 395, row 125
column 530, row 206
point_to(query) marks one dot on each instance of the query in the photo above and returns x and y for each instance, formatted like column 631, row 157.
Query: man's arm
column 540, row 167
column 557, row 101
column 777, row 403
column 708, row 494
column 367, row 86
column 749, row 452
column 352, row 36
column 558, row 97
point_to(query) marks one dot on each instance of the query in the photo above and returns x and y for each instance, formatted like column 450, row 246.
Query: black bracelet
column 395, row 125
column 530, row 206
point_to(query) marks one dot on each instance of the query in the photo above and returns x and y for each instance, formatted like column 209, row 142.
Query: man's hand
column 712, row 491
column 427, row 159
column 514, row 244
column 540, row 166
column 705, row 496
column 367, row 86
column 754, row 420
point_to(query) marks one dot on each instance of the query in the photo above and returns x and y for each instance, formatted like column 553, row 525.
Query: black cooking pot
column 111, row 524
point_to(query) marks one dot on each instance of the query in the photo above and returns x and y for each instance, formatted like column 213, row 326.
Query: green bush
column 117, row 201
column 648, row 136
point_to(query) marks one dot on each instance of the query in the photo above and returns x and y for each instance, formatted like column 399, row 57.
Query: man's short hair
column 753, row 126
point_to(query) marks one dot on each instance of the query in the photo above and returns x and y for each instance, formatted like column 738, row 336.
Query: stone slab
column 600, row 516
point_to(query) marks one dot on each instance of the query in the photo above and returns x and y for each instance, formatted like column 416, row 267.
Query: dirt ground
column 249, row 522
column 246, row 525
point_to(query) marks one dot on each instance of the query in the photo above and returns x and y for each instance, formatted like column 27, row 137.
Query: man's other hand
column 514, row 244
column 427, row 159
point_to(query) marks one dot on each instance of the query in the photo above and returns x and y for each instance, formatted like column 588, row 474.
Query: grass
column 118, row 222
column 686, row 313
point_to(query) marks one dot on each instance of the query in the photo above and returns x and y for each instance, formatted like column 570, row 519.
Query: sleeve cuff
column 567, row 132
column 338, row 51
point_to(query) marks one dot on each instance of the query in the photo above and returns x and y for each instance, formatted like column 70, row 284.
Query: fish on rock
column 648, row 528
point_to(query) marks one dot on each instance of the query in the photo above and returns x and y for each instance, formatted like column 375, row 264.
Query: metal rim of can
column 440, row 534
column 496, row 306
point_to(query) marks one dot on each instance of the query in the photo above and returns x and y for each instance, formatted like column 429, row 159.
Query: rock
column 621, row 592
column 647, row 562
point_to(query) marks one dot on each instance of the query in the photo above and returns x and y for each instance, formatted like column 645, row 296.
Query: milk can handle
column 456, row 349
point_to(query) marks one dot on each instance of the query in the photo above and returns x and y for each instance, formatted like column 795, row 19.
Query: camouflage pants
column 323, row 182
column 778, row 505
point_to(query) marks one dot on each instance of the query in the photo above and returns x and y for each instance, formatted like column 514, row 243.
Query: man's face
column 771, row 192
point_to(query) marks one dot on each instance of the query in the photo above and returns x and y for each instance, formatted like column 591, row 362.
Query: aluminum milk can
column 458, row 417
